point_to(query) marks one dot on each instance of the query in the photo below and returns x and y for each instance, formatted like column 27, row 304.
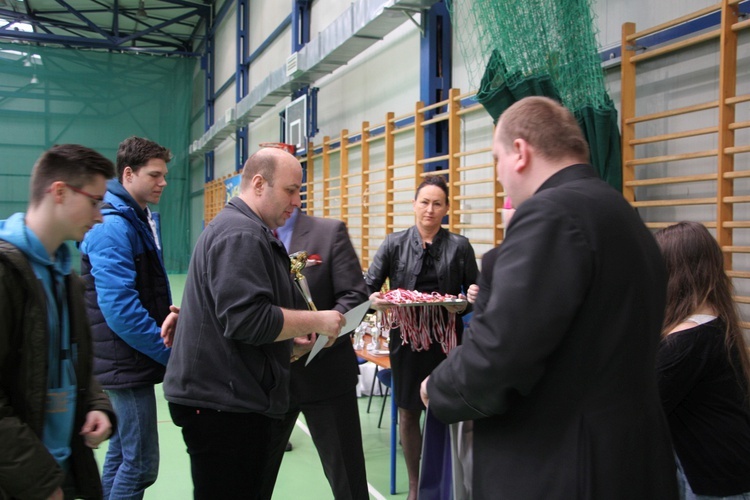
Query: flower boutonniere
column 314, row 260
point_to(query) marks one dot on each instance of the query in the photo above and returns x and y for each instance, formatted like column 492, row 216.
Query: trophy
column 298, row 261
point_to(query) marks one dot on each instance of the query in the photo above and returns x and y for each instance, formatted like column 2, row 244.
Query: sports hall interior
column 375, row 94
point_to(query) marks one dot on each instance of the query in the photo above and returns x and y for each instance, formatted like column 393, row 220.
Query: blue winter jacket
column 127, row 294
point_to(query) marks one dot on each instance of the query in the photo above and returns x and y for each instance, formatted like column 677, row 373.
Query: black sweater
column 705, row 399
column 224, row 355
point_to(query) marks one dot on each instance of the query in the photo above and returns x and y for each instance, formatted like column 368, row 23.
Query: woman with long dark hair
column 704, row 368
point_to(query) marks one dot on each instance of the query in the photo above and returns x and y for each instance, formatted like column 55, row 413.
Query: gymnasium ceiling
column 155, row 26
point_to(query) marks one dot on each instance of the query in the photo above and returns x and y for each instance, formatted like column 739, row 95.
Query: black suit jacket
column 557, row 369
column 338, row 284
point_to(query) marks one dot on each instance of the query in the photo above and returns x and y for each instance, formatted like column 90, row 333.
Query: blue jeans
column 132, row 461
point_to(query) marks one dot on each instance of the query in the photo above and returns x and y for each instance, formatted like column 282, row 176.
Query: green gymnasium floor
column 301, row 475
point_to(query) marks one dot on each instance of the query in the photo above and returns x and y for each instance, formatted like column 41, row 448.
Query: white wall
column 324, row 12
column 382, row 79
column 225, row 54
column 264, row 18
column 386, row 78
column 611, row 14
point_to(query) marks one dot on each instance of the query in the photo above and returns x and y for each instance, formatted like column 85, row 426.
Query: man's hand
column 423, row 392
column 331, row 324
column 303, row 345
column 96, row 428
column 169, row 326
column 300, row 323
column 57, row 494
column 471, row 293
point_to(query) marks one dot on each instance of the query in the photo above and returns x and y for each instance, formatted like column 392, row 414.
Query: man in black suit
column 557, row 368
column 325, row 390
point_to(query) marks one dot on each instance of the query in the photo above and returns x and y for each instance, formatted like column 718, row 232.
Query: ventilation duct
column 364, row 23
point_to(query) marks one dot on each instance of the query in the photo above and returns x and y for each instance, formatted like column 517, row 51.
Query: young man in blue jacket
column 127, row 298
column 52, row 410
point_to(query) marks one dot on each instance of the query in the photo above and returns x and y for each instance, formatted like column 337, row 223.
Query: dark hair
column 545, row 124
column 73, row 164
column 696, row 276
column 433, row 180
column 135, row 152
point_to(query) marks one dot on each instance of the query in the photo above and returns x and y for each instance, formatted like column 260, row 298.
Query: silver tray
column 455, row 302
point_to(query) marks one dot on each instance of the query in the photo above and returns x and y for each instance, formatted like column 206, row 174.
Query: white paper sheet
column 353, row 319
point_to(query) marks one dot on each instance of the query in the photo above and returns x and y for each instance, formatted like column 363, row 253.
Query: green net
column 513, row 49
column 52, row 95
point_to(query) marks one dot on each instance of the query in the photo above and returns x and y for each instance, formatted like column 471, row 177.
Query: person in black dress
column 426, row 258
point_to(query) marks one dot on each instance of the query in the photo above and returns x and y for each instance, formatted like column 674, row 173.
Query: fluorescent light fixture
column 140, row 14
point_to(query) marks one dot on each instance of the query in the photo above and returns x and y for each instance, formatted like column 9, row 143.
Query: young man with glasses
column 52, row 410
column 96, row 201
column 127, row 298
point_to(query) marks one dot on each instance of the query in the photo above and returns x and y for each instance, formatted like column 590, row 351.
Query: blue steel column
column 241, row 76
column 300, row 36
column 435, row 77
column 435, row 81
column 208, row 65
column 300, row 23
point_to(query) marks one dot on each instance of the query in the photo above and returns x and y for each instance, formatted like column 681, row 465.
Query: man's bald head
column 263, row 163
column 271, row 184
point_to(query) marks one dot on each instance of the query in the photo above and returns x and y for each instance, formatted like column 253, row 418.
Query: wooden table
column 384, row 361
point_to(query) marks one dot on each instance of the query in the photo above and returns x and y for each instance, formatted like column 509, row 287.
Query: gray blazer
column 335, row 284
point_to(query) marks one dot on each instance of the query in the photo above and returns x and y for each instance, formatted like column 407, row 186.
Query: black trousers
column 336, row 432
column 232, row 455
